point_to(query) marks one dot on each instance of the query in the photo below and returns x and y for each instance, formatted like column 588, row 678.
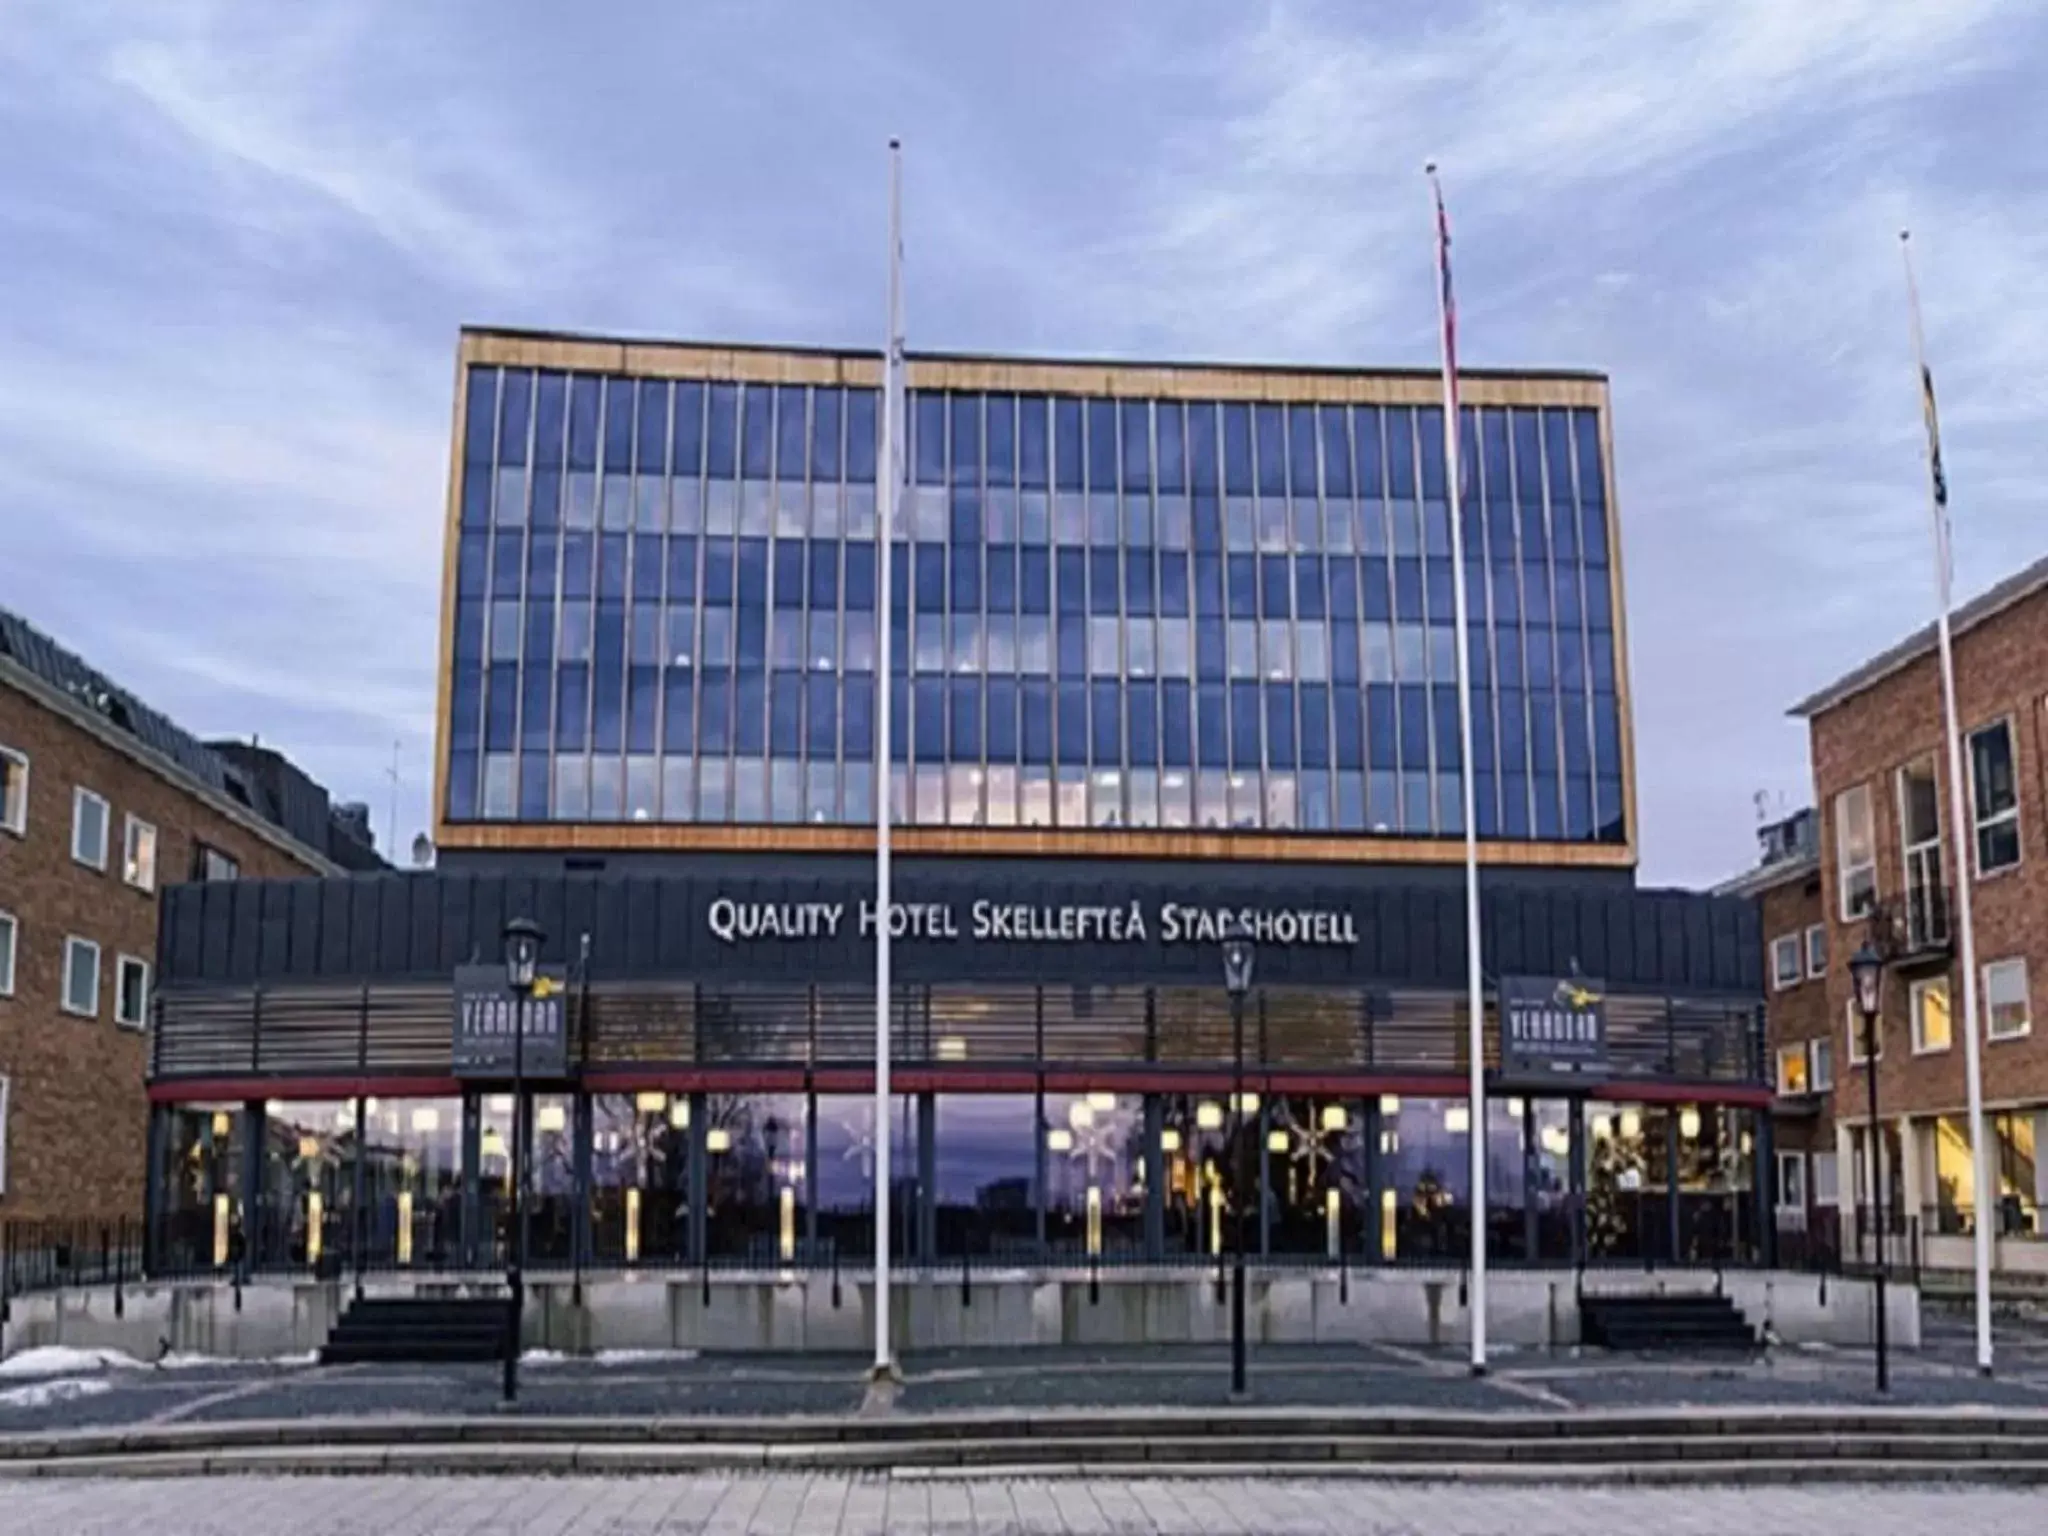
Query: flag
column 1933, row 435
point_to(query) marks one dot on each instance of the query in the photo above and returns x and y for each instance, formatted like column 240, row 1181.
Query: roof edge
column 770, row 349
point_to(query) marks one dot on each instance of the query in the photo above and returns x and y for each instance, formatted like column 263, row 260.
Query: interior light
column 718, row 1139
column 1104, row 1102
column 1689, row 1123
column 553, row 1117
column 1059, row 1139
column 1458, row 1119
column 679, row 1114
column 1390, row 1104
column 1276, row 1141
column 426, row 1120
column 1209, row 1117
column 1514, row 1109
column 1169, row 1140
column 1631, row 1125
column 1334, row 1118
column 952, row 1048
column 500, row 1103
column 650, row 1103
column 1248, row 1103
column 309, row 1147
column 1603, row 1127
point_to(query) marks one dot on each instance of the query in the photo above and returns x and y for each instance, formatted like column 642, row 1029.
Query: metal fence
column 52, row 1254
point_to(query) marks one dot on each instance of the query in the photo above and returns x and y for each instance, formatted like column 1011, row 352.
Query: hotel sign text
column 1133, row 922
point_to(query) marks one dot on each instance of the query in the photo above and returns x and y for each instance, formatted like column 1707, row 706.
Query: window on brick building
column 1792, row 1076
column 131, row 997
column 1788, row 966
column 89, row 817
column 6, row 1085
column 1855, row 853
column 1826, row 1179
column 138, row 854
column 1817, row 950
column 81, row 977
column 13, row 791
column 1994, row 798
column 1791, row 1181
column 1820, row 1064
column 2007, row 1015
column 1931, row 1024
column 210, row 864
column 10, row 937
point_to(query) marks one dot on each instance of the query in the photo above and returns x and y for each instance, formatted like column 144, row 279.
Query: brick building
column 1803, row 1045
column 102, row 803
column 1888, row 869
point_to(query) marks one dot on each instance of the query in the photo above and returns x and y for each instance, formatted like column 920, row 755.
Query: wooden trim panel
column 1623, row 691
column 999, row 842
column 685, row 360
column 451, row 536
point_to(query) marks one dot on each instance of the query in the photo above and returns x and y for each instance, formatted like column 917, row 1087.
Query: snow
column 61, row 1360
column 41, row 1394
column 607, row 1357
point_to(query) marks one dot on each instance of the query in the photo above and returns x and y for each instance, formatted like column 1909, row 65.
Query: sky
column 240, row 239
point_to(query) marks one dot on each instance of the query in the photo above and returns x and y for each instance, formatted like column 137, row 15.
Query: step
column 412, row 1351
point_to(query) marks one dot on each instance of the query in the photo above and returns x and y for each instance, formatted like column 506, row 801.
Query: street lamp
column 1866, row 975
column 1237, row 980
column 523, row 938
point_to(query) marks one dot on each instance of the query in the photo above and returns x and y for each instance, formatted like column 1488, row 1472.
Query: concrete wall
column 804, row 1312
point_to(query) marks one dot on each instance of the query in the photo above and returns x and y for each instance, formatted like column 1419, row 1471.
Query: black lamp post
column 523, row 938
column 1866, row 974
column 1237, row 979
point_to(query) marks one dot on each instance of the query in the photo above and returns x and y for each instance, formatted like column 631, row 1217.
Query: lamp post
column 1237, row 980
column 1866, row 973
column 523, row 938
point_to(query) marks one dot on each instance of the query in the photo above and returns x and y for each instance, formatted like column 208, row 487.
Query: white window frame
column 122, row 966
column 1820, row 1049
column 1832, row 1162
column 1856, row 1056
column 80, row 797
column 1781, row 946
column 1795, row 1051
column 1816, row 968
column 11, row 925
column 1790, row 1160
column 73, row 941
column 1868, row 866
column 1919, row 990
column 6, row 1084
column 1980, row 823
column 18, row 823
column 130, row 826
column 2026, row 998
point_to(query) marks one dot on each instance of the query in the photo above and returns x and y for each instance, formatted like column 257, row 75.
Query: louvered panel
column 205, row 1033
column 1423, row 1032
column 1194, row 1025
column 1712, row 1042
column 1638, row 1037
column 979, row 1024
column 411, row 1029
column 642, row 1025
column 1305, row 1028
column 310, row 1031
column 1095, row 1024
column 756, row 1025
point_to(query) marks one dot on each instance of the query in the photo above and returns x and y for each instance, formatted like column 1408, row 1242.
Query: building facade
column 102, row 803
column 1173, row 649
column 1803, row 1038
column 1890, row 870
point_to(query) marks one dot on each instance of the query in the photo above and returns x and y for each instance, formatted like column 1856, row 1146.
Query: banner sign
column 488, row 1017
column 1005, row 922
column 1552, row 1028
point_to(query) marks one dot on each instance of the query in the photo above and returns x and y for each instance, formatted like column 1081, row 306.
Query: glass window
column 1993, row 799
column 138, row 854
column 1094, row 1170
column 1787, row 964
column 1855, row 853
column 2007, row 1008
column 1929, row 1001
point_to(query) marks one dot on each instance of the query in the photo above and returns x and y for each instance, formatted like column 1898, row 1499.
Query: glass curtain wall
column 639, row 1178
column 308, row 1183
column 200, row 1221
column 1202, row 1180
column 756, row 1150
column 986, row 1176
column 412, row 1181
column 1095, row 1176
column 1316, row 1168
column 846, row 1175
column 1111, row 612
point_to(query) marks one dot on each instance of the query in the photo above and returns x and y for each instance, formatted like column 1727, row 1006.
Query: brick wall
column 76, row 1131
column 1797, row 1014
column 2001, row 671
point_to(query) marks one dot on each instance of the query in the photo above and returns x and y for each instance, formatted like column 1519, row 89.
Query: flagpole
column 1475, row 1000
column 1973, row 1070
column 885, row 518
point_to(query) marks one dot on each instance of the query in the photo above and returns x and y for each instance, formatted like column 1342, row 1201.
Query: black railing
column 53, row 1254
